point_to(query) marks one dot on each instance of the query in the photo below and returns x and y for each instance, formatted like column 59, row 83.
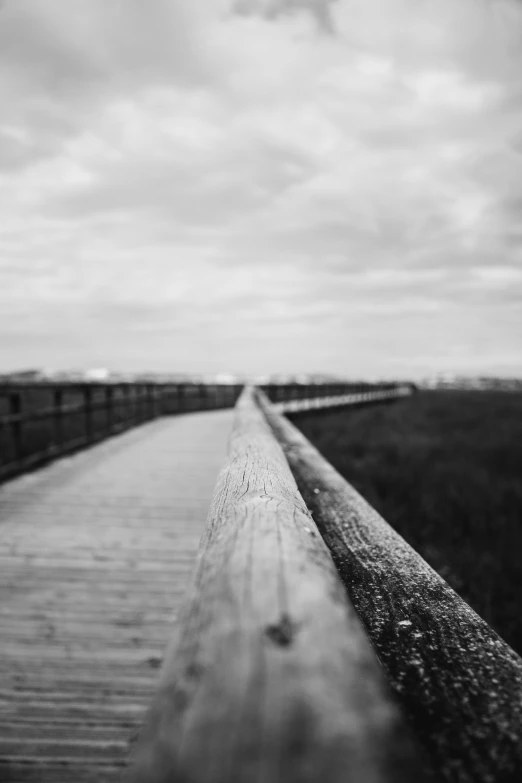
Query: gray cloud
column 202, row 179
column 66, row 47
column 320, row 10
column 63, row 62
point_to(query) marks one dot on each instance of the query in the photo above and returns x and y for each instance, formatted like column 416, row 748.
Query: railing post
column 160, row 391
column 202, row 399
column 87, row 402
column 58, row 417
column 144, row 402
column 137, row 403
column 133, row 404
column 126, row 398
column 182, row 398
column 152, row 397
column 178, row 397
column 140, row 402
column 172, row 398
column 167, row 399
column 109, row 407
column 117, row 407
column 169, row 395
column 15, row 409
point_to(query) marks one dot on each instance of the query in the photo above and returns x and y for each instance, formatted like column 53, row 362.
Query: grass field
column 445, row 470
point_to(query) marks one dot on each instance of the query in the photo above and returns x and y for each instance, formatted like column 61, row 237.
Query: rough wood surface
column 459, row 682
column 271, row 677
column 95, row 552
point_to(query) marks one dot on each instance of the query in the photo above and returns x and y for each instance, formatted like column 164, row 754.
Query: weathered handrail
column 271, row 677
column 458, row 681
column 294, row 392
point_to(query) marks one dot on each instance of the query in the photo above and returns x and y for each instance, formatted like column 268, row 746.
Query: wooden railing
column 42, row 421
column 346, row 397
column 293, row 392
column 39, row 422
column 280, row 673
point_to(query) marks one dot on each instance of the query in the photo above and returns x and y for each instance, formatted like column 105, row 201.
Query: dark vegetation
column 444, row 468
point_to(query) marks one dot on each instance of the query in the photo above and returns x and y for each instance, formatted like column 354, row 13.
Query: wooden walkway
column 95, row 554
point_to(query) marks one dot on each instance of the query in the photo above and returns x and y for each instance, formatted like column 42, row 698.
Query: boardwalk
column 95, row 552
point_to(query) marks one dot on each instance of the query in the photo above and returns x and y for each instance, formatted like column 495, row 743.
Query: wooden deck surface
column 95, row 553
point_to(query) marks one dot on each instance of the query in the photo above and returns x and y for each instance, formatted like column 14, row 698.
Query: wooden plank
column 96, row 551
column 60, row 771
column 459, row 682
column 270, row 677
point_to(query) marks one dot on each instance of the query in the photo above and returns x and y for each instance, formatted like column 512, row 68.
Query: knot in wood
column 282, row 633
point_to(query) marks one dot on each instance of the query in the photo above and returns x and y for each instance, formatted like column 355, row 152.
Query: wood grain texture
column 270, row 677
column 459, row 682
column 95, row 553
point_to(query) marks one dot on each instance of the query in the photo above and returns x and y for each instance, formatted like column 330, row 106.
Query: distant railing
column 339, row 400
column 42, row 421
column 293, row 392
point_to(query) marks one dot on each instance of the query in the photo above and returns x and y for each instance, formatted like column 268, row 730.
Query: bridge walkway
column 95, row 553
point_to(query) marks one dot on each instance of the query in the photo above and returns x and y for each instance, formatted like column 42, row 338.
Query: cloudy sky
column 261, row 185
